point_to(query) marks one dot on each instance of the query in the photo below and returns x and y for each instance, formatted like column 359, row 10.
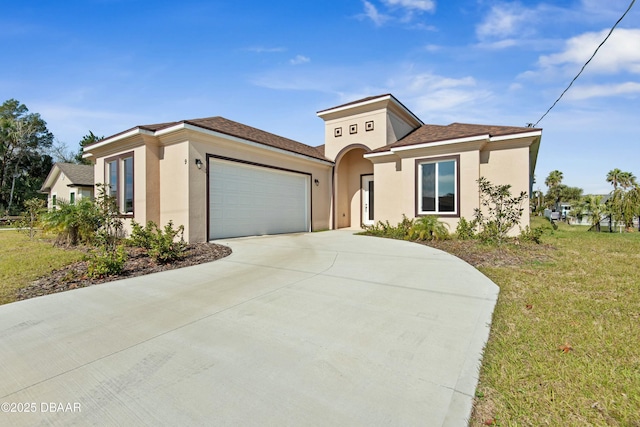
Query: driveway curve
column 324, row 328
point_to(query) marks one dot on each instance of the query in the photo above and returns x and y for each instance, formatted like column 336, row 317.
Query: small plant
column 30, row 218
column 532, row 234
column 384, row 229
column 499, row 211
column 142, row 237
column 164, row 247
column 428, row 228
column 110, row 230
column 466, row 230
column 107, row 263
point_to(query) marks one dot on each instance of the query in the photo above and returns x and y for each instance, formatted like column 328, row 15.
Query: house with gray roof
column 68, row 182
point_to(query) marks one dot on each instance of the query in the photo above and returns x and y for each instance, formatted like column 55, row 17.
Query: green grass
column 23, row 260
column 585, row 295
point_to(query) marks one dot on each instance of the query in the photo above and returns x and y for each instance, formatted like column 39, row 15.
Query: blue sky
column 108, row 65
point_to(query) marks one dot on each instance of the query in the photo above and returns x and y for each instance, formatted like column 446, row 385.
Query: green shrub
column 499, row 212
column 107, row 263
column 73, row 223
column 384, row 229
column 531, row 234
column 163, row 245
column 142, row 237
column 428, row 228
column 466, row 230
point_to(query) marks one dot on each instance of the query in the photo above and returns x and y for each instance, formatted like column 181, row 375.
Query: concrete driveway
column 310, row 329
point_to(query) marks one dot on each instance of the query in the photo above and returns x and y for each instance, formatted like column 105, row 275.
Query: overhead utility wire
column 585, row 64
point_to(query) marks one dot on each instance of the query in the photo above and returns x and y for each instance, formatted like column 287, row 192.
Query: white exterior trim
column 455, row 141
column 514, row 136
column 381, row 154
column 440, row 143
column 350, row 106
column 137, row 131
column 368, row 102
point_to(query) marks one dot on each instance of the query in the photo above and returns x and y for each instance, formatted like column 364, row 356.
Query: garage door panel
column 248, row 200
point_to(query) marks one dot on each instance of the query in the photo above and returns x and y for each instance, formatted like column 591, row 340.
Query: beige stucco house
column 68, row 182
column 220, row 178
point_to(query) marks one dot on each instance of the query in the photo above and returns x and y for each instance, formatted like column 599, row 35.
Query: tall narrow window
column 120, row 179
column 437, row 187
column 112, row 176
column 128, row 184
column 72, row 198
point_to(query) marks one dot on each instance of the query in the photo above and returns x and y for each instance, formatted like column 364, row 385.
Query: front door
column 367, row 199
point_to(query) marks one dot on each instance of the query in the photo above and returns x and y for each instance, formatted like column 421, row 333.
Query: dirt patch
column 75, row 275
column 479, row 255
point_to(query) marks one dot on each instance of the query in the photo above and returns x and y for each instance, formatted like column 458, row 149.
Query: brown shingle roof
column 231, row 128
column 435, row 133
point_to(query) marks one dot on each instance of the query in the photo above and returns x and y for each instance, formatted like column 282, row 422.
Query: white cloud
column 299, row 59
column 620, row 53
column 437, row 98
column 371, row 12
column 409, row 8
column 419, row 5
column 505, row 20
column 602, row 91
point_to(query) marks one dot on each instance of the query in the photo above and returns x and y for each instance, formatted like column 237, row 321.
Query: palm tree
column 626, row 180
column 625, row 197
column 614, row 177
column 553, row 181
column 592, row 205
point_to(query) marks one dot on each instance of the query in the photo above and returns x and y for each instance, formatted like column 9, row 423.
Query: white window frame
column 456, row 180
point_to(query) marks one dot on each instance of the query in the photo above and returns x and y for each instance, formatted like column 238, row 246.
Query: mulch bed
column 138, row 263
column 508, row 255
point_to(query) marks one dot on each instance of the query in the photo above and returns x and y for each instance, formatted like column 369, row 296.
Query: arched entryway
column 353, row 203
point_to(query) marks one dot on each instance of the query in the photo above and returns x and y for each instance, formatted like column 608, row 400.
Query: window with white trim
column 119, row 178
column 438, row 187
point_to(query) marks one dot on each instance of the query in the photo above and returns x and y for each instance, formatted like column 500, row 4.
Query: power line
column 585, row 64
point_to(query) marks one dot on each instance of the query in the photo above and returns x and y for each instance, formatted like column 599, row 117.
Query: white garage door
column 248, row 200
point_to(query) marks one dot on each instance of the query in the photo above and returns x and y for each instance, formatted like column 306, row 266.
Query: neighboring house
column 68, row 182
column 220, row 178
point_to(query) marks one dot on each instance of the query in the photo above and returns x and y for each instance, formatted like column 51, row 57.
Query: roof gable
column 78, row 175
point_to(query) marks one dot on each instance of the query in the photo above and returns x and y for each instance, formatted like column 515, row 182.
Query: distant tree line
column 621, row 205
column 27, row 153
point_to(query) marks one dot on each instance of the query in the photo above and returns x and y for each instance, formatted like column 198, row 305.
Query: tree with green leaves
column 24, row 140
column 553, row 182
column 499, row 211
column 624, row 203
column 592, row 205
column 88, row 139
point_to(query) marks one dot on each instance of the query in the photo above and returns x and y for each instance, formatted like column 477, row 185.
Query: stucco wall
column 502, row 165
column 373, row 139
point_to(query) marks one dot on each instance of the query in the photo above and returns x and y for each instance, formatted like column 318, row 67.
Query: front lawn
column 23, row 260
column 563, row 349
